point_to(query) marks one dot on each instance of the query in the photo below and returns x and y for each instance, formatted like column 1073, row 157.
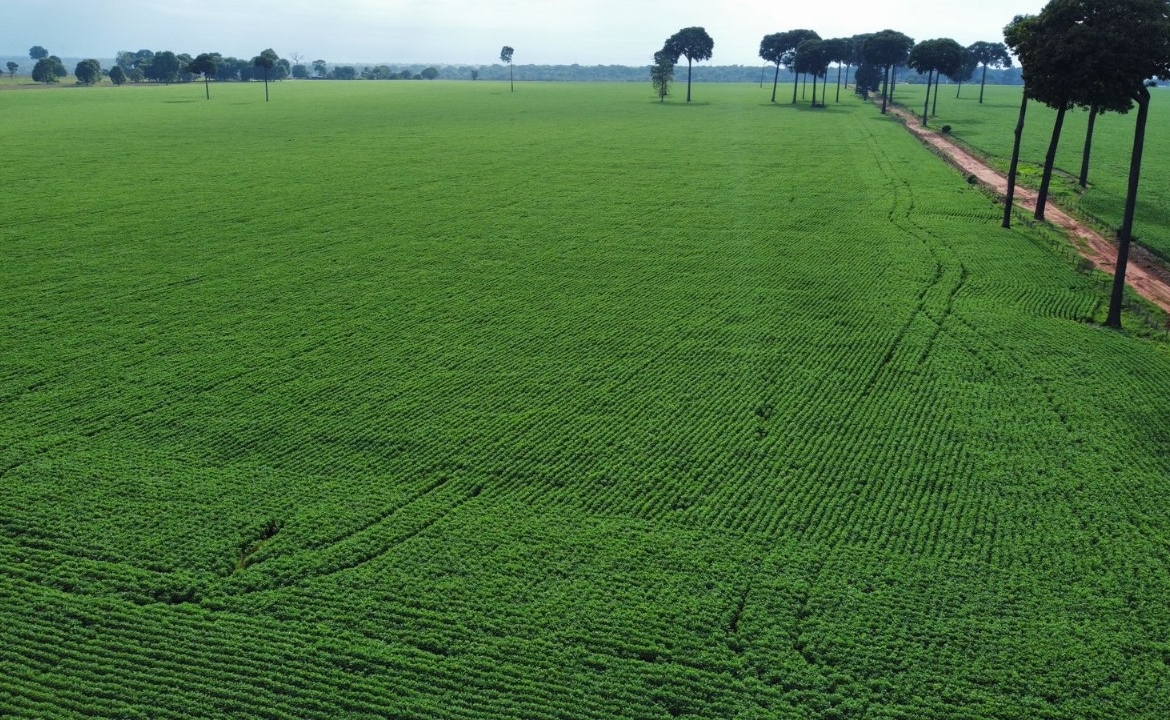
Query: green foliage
column 88, row 72
column 48, row 70
column 12, row 68
column 662, row 74
column 338, row 434
column 694, row 44
column 36, row 52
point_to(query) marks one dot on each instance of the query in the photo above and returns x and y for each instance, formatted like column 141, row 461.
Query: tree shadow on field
column 177, row 102
column 680, row 104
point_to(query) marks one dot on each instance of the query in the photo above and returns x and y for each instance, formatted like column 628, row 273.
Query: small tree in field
column 694, row 44
column 989, row 54
column 12, row 68
column 265, row 60
column 206, row 65
column 662, row 74
column 48, row 70
column 506, row 56
column 88, row 72
column 117, row 75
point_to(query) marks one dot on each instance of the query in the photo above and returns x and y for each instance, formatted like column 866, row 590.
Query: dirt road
column 1142, row 273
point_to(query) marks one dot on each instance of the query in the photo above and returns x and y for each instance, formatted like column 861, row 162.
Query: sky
column 471, row 32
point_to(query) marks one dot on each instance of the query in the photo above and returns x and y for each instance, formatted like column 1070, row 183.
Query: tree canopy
column 506, row 56
column 662, row 74
column 941, row 56
column 694, row 44
column 887, row 50
column 266, row 60
column 36, row 52
column 205, row 64
column 989, row 54
column 88, row 72
column 48, row 70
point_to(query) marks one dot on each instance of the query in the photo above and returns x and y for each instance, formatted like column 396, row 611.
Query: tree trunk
column 1088, row 147
column 893, row 81
column 1124, row 236
column 804, row 86
column 848, row 67
column 814, row 101
column 982, row 82
column 795, row 84
column 959, row 91
column 885, row 89
column 265, row 84
column 926, row 104
column 838, row 83
column 688, row 79
column 934, row 108
column 1049, row 161
column 512, row 82
column 775, row 82
column 207, row 86
column 1011, row 188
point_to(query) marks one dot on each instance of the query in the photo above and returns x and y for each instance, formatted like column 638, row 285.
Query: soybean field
column 431, row 400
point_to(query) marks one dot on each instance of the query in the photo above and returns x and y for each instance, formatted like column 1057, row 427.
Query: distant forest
column 242, row 70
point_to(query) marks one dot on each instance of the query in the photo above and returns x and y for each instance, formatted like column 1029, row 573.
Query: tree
column 812, row 59
column 300, row 72
column 429, row 73
column 48, row 70
column 772, row 50
column 206, row 64
column 694, row 44
column 266, row 60
column 117, row 75
column 662, row 74
column 1018, row 35
column 506, row 56
column 964, row 73
column 857, row 44
column 941, row 56
column 989, row 54
column 840, row 51
column 12, row 68
column 163, row 67
column 792, row 40
column 887, row 50
column 867, row 79
column 474, row 75
column 320, row 68
column 88, row 72
column 36, row 52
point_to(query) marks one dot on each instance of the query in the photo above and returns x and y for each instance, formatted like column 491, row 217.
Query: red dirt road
column 1142, row 273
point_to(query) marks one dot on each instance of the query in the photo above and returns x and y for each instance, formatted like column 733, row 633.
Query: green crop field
column 990, row 128
column 429, row 400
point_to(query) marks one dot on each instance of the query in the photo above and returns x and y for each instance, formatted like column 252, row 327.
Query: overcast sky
column 587, row 32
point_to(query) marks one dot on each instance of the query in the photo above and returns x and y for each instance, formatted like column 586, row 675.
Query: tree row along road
column 1143, row 274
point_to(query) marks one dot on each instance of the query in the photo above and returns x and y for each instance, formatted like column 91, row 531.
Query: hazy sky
column 587, row 32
